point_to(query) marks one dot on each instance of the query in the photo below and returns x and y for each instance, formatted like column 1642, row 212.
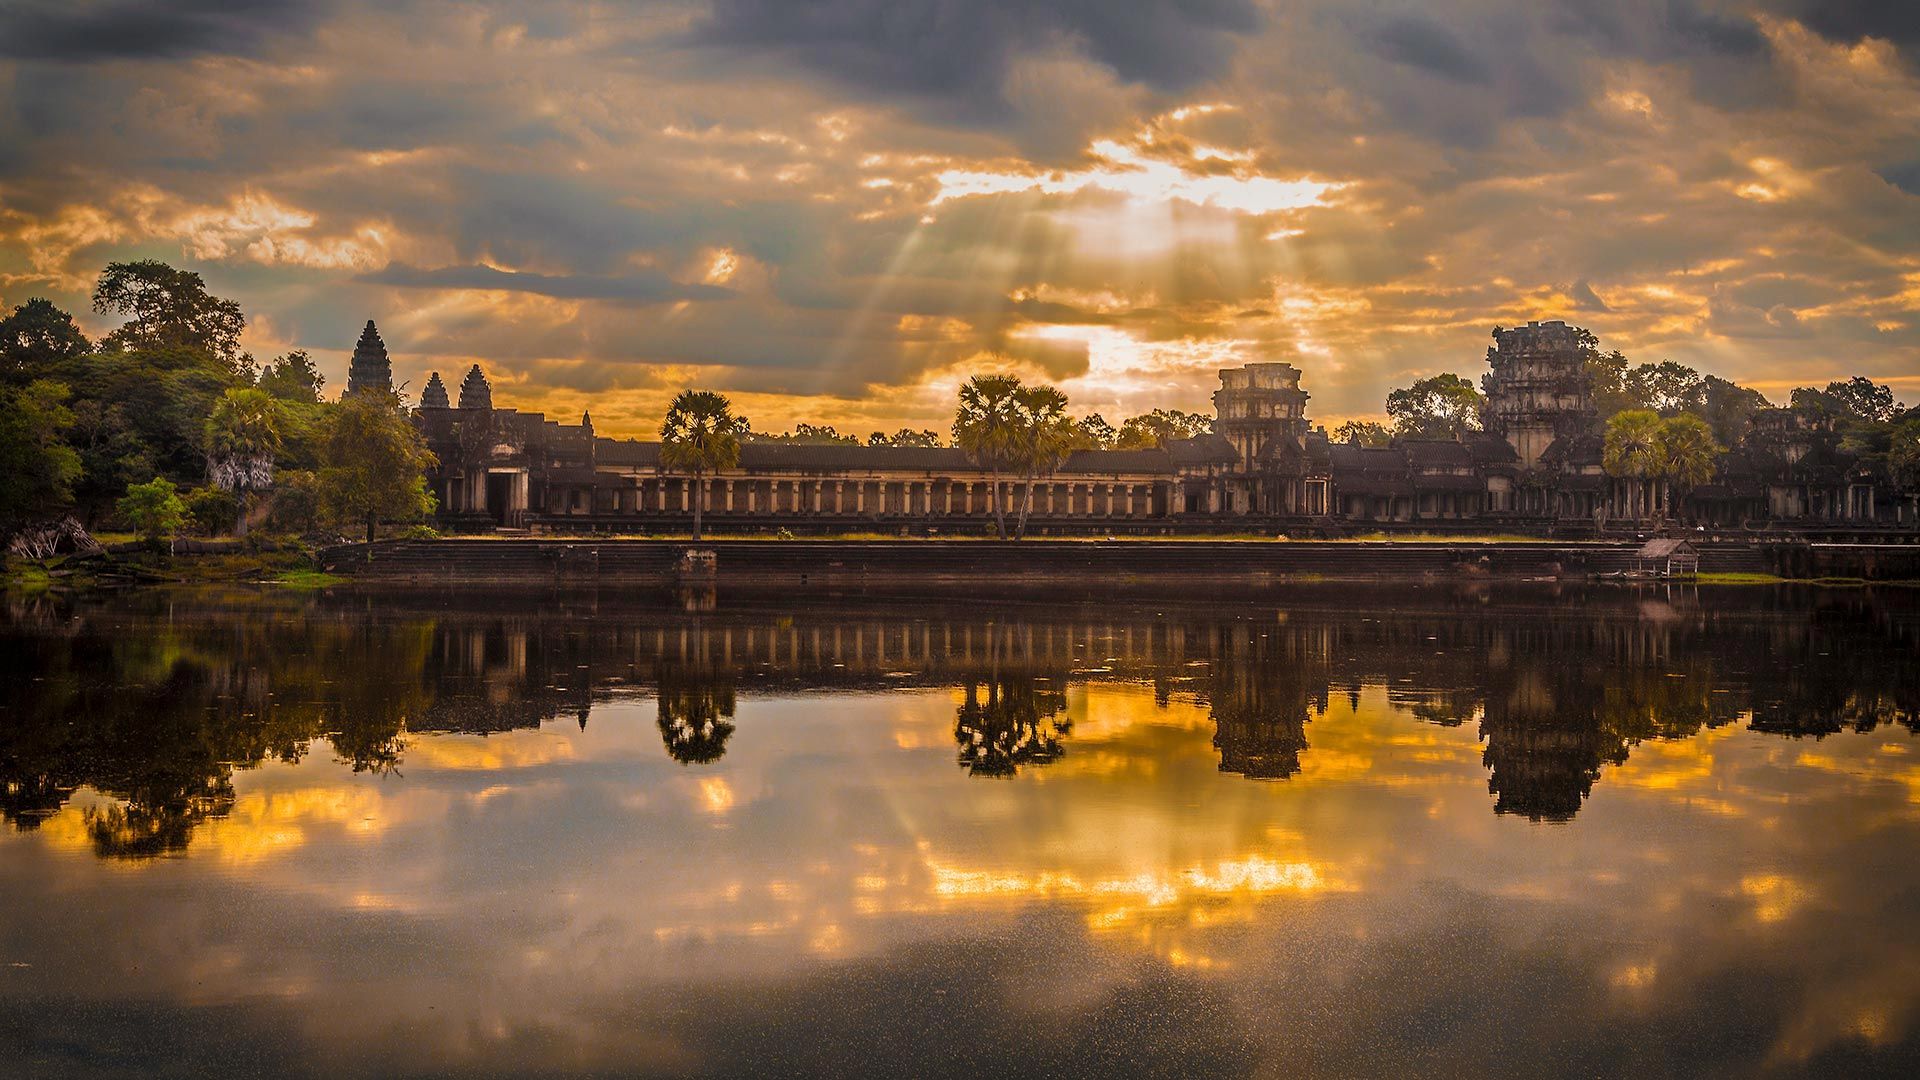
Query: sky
column 835, row 211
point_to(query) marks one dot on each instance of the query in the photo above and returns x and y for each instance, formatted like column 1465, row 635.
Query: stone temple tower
column 1538, row 389
column 435, row 395
column 1258, row 408
column 370, row 369
column 474, row 391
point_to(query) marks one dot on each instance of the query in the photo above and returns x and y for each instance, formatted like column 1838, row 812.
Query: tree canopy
column 167, row 308
column 37, row 339
column 1442, row 406
column 700, row 436
column 373, row 463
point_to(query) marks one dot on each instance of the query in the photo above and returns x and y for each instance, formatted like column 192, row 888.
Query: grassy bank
column 292, row 568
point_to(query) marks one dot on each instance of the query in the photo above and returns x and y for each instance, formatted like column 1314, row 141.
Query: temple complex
column 1537, row 466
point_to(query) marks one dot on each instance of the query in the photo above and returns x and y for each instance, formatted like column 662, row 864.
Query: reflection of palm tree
column 1018, row 724
column 695, row 719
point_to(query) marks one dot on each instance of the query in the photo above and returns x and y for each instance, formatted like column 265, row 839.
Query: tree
column 293, row 378
column 1366, row 433
column 700, row 436
column 904, row 437
column 695, row 716
column 987, row 426
column 1684, row 454
column 243, row 436
column 374, row 463
column 1155, row 429
column 153, row 509
column 1858, row 400
column 37, row 468
column 1045, row 437
column 1629, row 453
column 805, row 435
column 1606, row 379
column 1727, row 407
column 167, row 308
column 36, row 339
column 1442, row 406
column 1097, row 434
column 1668, row 387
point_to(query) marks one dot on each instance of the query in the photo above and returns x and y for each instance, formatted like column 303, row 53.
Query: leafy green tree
column 243, row 436
column 153, row 509
column 112, row 455
column 37, row 468
column 1630, row 453
column 211, row 509
column 167, row 308
column 374, row 463
column 1443, row 406
column 1368, row 433
column 987, row 426
column 37, row 339
column 1045, row 437
column 1668, row 387
column 1159, row 427
column 293, row 378
column 699, row 437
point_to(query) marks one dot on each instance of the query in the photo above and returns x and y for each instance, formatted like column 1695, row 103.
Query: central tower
column 1258, row 408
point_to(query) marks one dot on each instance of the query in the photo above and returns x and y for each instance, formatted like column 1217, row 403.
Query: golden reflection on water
column 1211, row 816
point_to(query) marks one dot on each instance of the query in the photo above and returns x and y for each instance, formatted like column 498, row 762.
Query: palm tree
column 987, row 426
column 243, row 436
column 1630, row 453
column 700, row 436
column 1684, row 453
column 1046, row 435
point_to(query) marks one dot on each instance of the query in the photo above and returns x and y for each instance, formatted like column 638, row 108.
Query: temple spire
column 435, row 395
column 370, row 369
column 474, row 391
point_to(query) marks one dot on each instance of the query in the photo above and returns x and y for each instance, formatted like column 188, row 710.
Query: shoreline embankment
column 1122, row 565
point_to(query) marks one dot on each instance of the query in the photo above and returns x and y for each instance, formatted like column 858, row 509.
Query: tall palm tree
column 1043, row 439
column 243, row 437
column 987, row 426
column 1630, row 453
column 1684, row 454
column 700, row 436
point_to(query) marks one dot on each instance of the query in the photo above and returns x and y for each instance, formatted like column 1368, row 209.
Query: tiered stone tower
column 370, row 369
column 474, row 391
column 1259, row 406
column 1538, row 389
column 435, row 395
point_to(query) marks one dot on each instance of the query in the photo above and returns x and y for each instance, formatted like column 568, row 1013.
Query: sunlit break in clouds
column 835, row 210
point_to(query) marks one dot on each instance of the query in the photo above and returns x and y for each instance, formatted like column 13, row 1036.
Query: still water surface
column 1329, row 833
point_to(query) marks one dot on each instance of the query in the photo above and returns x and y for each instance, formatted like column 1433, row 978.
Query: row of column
column 931, row 498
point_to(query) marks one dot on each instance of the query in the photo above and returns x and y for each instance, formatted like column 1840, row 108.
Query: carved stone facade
column 1537, row 467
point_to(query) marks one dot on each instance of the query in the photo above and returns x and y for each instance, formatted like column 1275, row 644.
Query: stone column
column 859, row 496
column 730, row 502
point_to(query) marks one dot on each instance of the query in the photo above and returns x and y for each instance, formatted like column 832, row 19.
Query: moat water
column 1331, row 832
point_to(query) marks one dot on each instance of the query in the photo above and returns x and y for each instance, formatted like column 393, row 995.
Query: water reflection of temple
column 158, row 714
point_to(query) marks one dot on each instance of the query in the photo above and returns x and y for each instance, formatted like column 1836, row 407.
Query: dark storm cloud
column 80, row 31
column 642, row 287
column 1897, row 21
column 951, row 57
